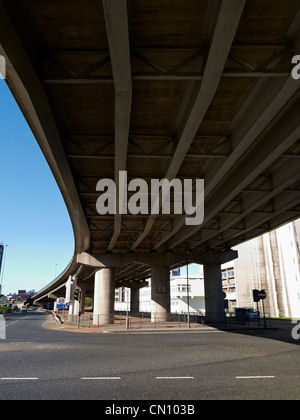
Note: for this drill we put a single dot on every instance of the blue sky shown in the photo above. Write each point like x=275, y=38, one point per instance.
x=34, y=221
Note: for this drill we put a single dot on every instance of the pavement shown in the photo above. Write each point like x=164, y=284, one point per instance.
x=111, y=328
x=140, y=326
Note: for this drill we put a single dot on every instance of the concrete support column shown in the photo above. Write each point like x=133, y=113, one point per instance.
x=76, y=308
x=104, y=296
x=160, y=293
x=54, y=297
x=70, y=294
x=134, y=300
x=83, y=289
x=214, y=297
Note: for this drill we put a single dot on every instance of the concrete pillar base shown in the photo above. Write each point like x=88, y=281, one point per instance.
x=160, y=293
x=214, y=297
x=104, y=297
x=134, y=300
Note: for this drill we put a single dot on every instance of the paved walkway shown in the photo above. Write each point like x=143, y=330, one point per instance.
x=144, y=325
x=137, y=327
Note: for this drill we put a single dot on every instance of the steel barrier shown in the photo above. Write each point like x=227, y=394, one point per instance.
x=131, y=321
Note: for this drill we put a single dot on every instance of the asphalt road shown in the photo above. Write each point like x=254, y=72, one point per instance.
x=42, y=364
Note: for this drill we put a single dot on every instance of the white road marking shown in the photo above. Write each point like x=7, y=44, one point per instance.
x=255, y=377
x=14, y=322
x=101, y=379
x=19, y=379
x=8, y=325
x=174, y=377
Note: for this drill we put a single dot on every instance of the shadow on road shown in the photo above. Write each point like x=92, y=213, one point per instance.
x=281, y=330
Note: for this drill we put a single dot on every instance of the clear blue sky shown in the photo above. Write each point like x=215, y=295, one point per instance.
x=34, y=221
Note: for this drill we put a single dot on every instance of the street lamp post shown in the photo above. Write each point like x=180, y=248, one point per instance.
x=188, y=295
x=127, y=309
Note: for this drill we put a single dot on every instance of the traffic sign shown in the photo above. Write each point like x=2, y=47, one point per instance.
x=61, y=303
x=262, y=295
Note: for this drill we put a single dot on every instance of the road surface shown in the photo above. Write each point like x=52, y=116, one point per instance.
x=43, y=364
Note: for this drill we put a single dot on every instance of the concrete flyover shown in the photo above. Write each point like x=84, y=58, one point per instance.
x=160, y=89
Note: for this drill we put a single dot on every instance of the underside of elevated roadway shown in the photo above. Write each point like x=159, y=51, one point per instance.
x=198, y=89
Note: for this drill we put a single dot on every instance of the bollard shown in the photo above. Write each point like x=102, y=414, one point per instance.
x=2, y=328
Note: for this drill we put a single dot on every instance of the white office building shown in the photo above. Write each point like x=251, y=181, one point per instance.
x=271, y=263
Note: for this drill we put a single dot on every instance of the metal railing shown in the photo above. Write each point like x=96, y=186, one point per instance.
x=135, y=321
x=123, y=321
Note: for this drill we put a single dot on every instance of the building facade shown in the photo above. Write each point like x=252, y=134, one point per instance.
x=229, y=287
x=21, y=296
x=271, y=263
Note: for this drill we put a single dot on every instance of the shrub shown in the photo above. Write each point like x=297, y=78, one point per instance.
x=5, y=310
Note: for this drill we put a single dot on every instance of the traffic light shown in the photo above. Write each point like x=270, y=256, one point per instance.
x=76, y=295
x=256, y=296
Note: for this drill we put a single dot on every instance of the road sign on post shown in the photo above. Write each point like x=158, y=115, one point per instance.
x=61, y=303
x=262, y=295
x=259, y=295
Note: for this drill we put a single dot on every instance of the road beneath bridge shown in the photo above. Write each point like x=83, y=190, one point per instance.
x=44, y=364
